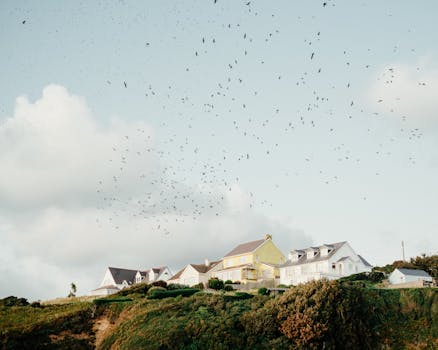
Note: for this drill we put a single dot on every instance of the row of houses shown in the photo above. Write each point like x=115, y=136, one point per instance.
x=258, y=262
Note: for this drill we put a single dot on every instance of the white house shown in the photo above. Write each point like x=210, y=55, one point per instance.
x=116, y=279
x=161, y=273
x=329, y=261
x=408, y=275
x=196, y=273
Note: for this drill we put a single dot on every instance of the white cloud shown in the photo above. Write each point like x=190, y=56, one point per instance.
x=53, y=151
x=58, y=230
x=407, y=92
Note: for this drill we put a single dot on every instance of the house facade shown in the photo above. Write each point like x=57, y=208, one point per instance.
x=193, y=274
x=399, y=276
x=116, y=279
x=328, y=261
x=253, y=261
x=161, y=273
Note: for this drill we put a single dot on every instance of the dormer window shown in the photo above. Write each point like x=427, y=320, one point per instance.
x=295, y=255
x=325, y=250
x=311, y=252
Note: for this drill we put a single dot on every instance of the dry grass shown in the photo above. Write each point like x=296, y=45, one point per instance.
x=62, y=301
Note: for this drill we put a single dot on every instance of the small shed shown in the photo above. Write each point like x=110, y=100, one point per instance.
x=408, y=275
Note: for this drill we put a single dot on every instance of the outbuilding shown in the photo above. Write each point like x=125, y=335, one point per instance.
x=409, y=275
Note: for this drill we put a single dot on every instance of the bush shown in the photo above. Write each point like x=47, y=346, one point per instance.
x=215, y=283
x=373, y=277
x=173, y=286
x=199, y=286
x=263, y=291
x=140, y=288
x=321, y=313
x=14, y=301
x=282, y=286
x=159, y=284
x=236, y=282
x=228, y=288
x=238, y=296
x=161, y=294
x=228, y=282
x=154, y=289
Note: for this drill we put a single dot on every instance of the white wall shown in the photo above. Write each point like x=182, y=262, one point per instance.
x=108, y=279
x=397, y=277
x=323, y=269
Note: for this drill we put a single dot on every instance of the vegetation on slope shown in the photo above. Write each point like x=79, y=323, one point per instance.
x=331, y=315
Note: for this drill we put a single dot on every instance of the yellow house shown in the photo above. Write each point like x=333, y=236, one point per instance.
x=254, y=261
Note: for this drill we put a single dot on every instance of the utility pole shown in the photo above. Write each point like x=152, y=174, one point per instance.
x=403, y=250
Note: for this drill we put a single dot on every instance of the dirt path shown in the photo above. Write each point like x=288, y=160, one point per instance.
x=102, y=327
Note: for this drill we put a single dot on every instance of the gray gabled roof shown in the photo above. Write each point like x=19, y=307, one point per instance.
x=317, y=257
x=246, y=248
x=412, y=272
x=366, y=263
x=121, y=275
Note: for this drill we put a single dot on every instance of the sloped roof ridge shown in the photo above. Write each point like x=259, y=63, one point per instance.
x=246, y=247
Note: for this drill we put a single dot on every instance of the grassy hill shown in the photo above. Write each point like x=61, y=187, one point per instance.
x=334, y=315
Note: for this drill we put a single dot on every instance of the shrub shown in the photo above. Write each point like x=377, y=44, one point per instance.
x=140, y=288
x=215, y=283
x=228, y=282
x=321, y=313
x=173, y=286
x=154, y=289
x=282, y=286
x=14, y=301
x=161, y=294
x=228, y=288
x=263, y=291
x=159, y=284
x=236, y=282
x=373, y=277
x=199, y=286
x=238, y=296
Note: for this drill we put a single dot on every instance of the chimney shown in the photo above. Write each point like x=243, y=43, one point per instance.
x=207, y=262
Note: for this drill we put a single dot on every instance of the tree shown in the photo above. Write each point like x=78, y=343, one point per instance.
x=72, y=290
x=427, y=263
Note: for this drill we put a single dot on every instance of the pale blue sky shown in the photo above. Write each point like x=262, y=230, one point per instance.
x=337, y=146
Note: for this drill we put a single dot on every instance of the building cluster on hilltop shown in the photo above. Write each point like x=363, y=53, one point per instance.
x=250, y=264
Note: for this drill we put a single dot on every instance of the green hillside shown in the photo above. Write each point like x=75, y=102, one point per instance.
x=331, y=315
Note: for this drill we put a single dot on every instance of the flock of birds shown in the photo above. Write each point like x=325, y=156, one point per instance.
x=187, y=178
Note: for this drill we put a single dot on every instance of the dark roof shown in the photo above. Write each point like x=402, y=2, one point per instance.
x=366, y=263
x=121, y=275
x=344, y=258
x=246, y=247
x=411, y=272
x=317, y=257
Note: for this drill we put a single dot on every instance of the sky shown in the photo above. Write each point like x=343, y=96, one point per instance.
x=147, y=133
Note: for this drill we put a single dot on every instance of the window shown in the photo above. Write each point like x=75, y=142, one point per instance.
x=333, y=266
